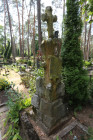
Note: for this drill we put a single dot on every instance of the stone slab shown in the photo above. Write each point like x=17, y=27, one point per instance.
x=3, y=104
x=3, y=109
x=35, y=101
x=27, y=130
x=48, y=108
x=60, y=90
x=50, y=131
x=55, y=67
x=39, y=86
x=38, y=82
x=72, y=126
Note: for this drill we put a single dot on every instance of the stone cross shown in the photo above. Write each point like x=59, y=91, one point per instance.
x=49, y=18
x=48, y=104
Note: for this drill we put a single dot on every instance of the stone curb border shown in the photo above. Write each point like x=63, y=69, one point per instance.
x=70, y=127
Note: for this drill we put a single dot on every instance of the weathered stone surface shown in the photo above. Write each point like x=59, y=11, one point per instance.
x=38, y=82
x=58, y=112
x=3, y=109
x=48, y=121
x=48, y=92
x=45, y=107
x=60, y=91
x=35, y=101
x=39, y=86
x=55, y=67
x=52, y=109
x=39, y=115
x=50, y=19
x=27, y=130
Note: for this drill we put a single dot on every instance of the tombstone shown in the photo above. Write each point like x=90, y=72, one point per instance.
x=47, y=102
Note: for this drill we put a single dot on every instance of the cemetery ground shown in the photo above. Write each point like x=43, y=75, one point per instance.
x=83, y=116
x=9, y=74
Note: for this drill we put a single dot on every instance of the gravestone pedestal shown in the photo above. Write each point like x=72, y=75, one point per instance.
x=48, y=109
x=47, y=102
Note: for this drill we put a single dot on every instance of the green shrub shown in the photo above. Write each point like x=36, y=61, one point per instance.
x=13, y=114
x=4, y=84
x=32, y=88
x=16, y=69
x=26, y=80
x=23, y=68
x=29, y=62
x=72, y=59
x=90, y=90
x=39, y=72
x=87, y=63
x=22, y=61
x=90, y=131
x=76, y=86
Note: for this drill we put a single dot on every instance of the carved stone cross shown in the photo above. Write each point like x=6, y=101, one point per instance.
x=49, y=18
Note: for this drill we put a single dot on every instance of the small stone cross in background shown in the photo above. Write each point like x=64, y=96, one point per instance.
x=49, y=18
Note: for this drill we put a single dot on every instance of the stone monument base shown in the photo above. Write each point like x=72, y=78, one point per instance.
x=35, y=130
x=49, y=110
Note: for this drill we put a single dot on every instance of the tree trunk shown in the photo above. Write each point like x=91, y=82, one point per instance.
x=34, y=37
x=31, y=37
x=64, y=10
x=39, y=23
x=28, y=31
x=22, y=28
x=28, y=40
x=19, y=28
x=88, y=41
x=11, y=34
x=85, y=38
x=4, y=24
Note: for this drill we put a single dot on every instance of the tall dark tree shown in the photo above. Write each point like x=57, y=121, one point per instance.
x=28, y=26
x=74, y=75
x=34, y=37
x=19, y=28
x=85, y=37
x=22, y=28
x=11, y=31
x=5, y=24
x=39, y=22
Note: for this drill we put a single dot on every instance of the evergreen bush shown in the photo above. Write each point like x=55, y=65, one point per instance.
x=74, y=76
x=29, y=62
x=4, y=84
x=87, y=63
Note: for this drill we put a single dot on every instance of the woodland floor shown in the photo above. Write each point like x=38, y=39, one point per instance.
x=16, y=79
x=85, y=116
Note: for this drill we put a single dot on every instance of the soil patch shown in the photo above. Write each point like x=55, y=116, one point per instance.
x=85, y=116
x=76, y=133
x=16, y=79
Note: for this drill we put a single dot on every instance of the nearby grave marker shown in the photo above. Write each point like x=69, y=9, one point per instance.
x=48, y=103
